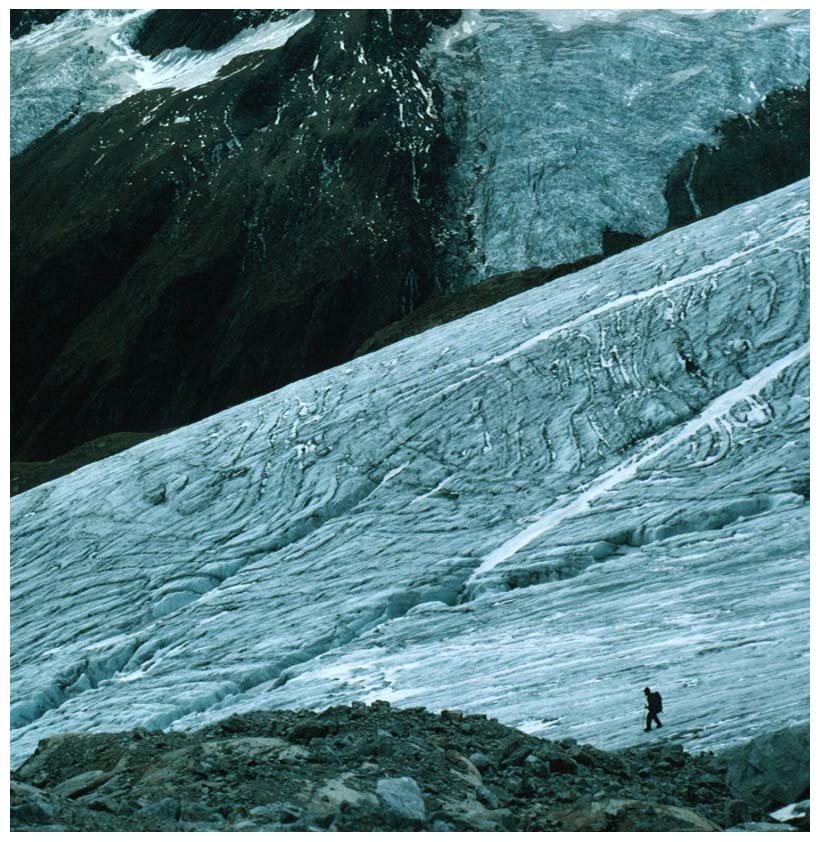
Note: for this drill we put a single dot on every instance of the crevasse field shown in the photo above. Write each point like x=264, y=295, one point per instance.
x=532, y=513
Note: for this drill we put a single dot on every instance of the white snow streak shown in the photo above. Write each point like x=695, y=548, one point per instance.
x=628, y=469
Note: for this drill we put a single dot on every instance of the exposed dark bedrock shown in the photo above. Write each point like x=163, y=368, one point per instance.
x=169, y=28
x=755, y=155
x=164, y=269
x=22, y=20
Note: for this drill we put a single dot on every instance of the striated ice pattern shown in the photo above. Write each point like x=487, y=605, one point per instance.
x=568, y=122
x=532, y=512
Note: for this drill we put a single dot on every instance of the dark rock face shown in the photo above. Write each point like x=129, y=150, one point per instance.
x=22, y=20
x=362, y=768
x=185, y=251
x=613, y=242
x=755, y=155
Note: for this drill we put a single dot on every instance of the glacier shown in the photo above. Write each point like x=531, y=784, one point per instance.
x=84, y=62
x=532, y=512
x=567, y=122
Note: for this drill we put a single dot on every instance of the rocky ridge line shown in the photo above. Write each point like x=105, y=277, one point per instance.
x=380, y=768
x=167, y=29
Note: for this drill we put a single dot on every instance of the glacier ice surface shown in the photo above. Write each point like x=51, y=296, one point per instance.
x=83, y=62
x=567, y=122
x=532, y=513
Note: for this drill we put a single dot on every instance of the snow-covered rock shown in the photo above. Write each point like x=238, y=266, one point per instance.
x=532, y=512
x=792, y=811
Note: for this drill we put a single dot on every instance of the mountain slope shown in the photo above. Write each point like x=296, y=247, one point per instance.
x=209, y=204
x=230, y=228
x=532, y=512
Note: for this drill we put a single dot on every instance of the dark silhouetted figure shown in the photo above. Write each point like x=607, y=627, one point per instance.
x=653, y=708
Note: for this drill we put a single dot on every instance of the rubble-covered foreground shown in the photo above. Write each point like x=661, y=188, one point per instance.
x=379, y=768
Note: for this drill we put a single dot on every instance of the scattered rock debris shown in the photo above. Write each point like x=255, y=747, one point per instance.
x=374, y=768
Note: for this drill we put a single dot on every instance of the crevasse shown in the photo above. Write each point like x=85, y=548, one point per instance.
x=531, y=512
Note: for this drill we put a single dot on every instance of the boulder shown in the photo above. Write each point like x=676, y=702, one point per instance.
x=30, y=805
x=401, y=797
x=558, y=761
x=337, y=794
x=624, y=815
x=487, y=797
x=28, y=813
x=81, y=784
x=441, y=826
x=564, y=766
x=480, y=760
x=164, y=810
x=771, y=770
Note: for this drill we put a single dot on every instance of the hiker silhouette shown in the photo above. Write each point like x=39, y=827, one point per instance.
x=653, y=708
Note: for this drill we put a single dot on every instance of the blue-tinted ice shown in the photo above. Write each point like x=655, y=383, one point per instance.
x=532, y=512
